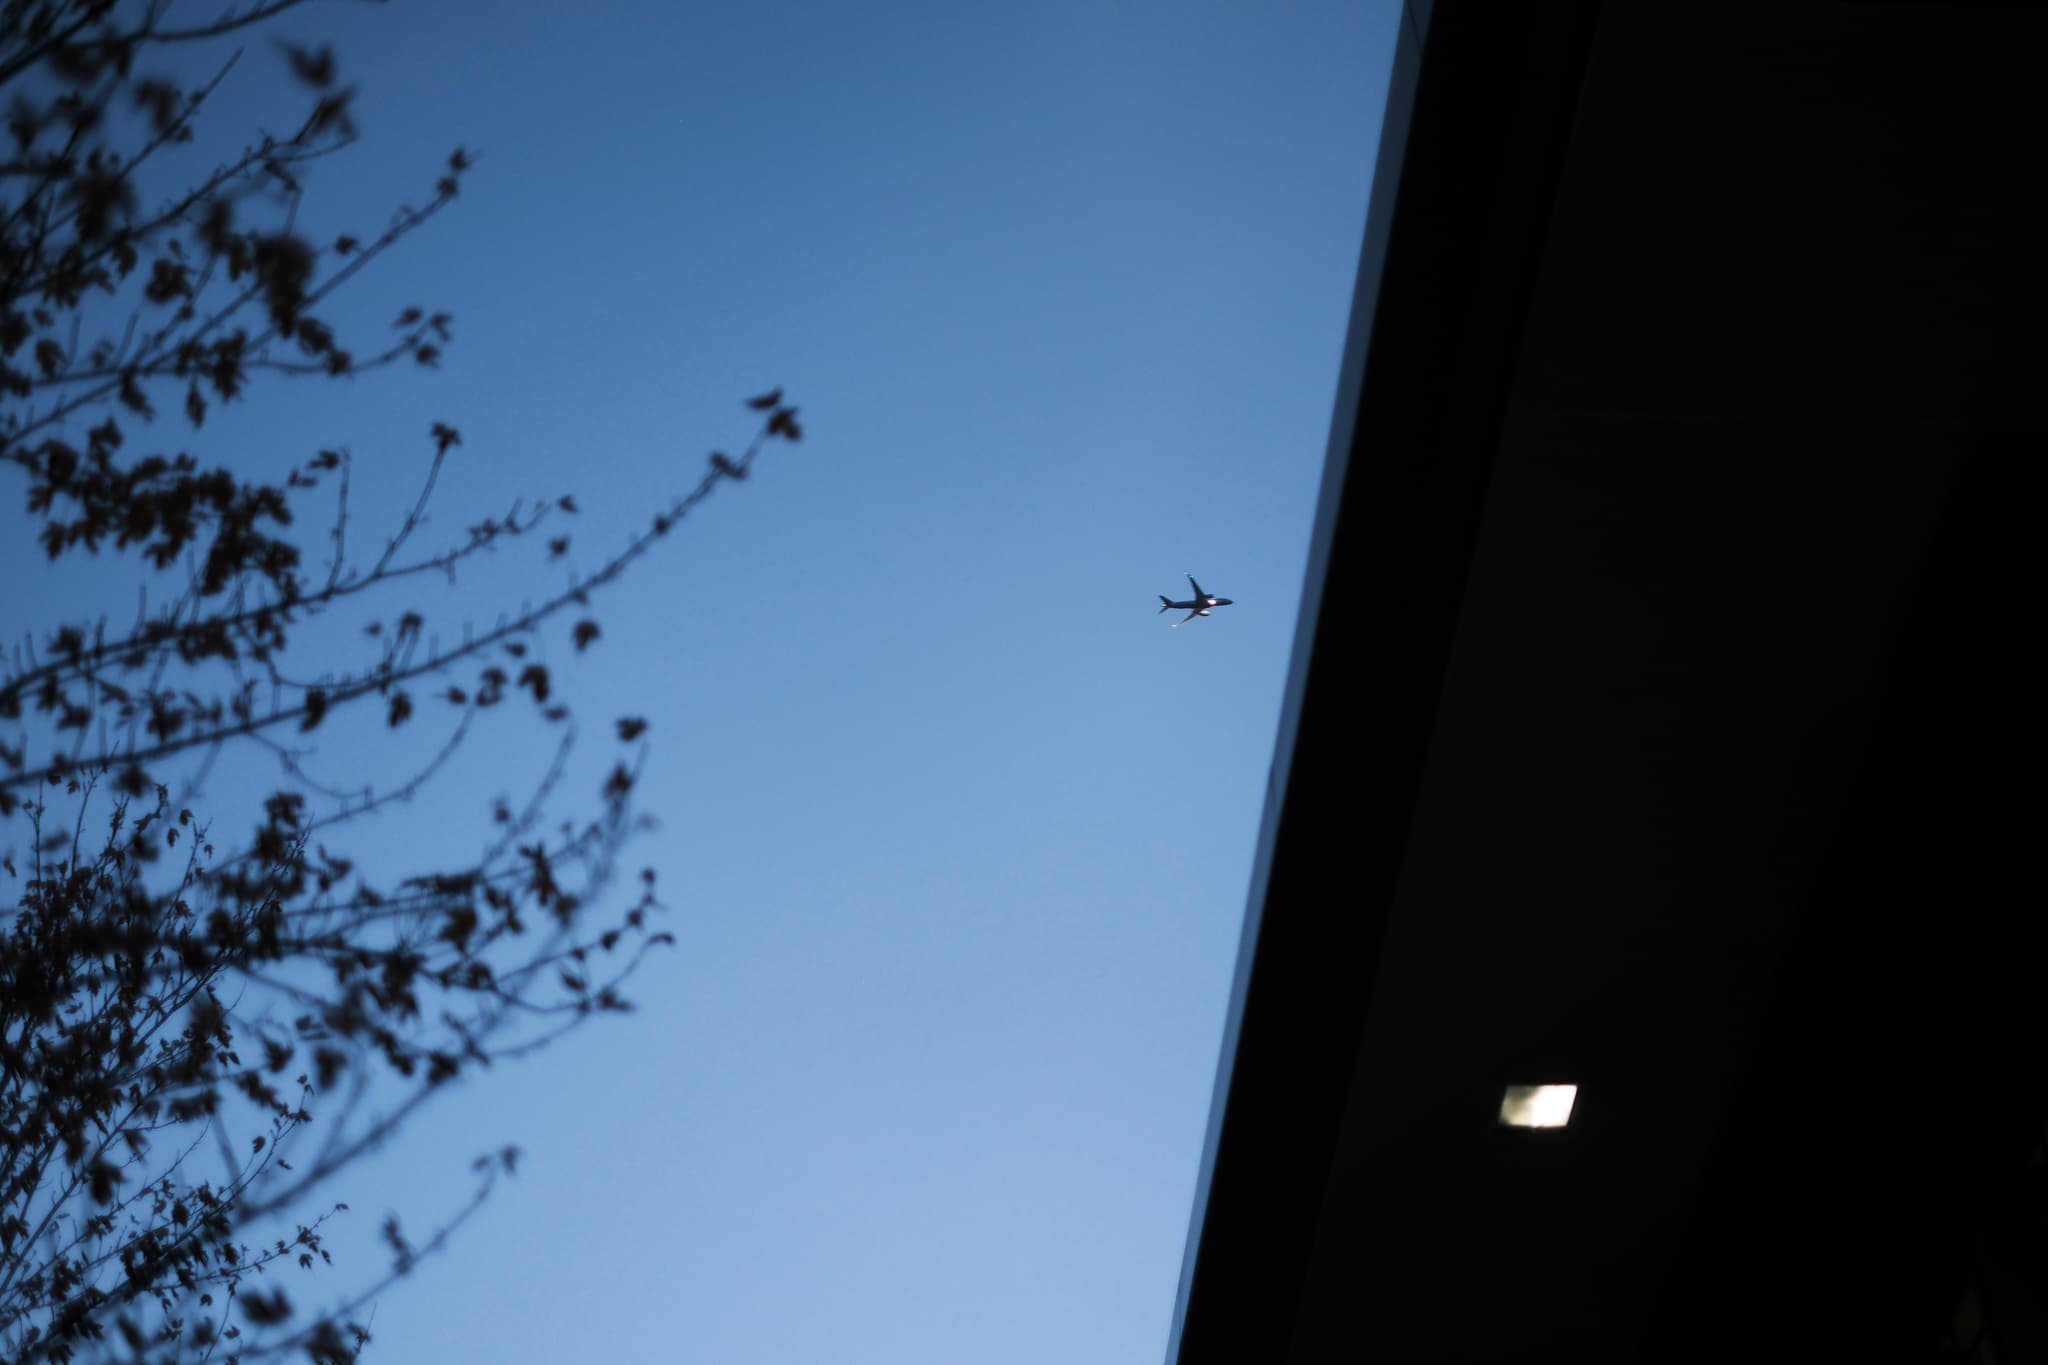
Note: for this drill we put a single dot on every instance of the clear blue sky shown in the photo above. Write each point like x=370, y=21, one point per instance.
x=955, y=829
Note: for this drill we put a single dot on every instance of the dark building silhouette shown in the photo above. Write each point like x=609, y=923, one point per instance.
x=1666, y=717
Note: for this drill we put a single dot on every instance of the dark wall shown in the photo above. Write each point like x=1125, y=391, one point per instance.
x=1730, y=800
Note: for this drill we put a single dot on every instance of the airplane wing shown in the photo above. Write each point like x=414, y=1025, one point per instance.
x=1189, y=617
x=1199, y=594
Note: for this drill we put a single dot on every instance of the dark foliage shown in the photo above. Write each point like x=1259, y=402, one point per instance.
x=191, y=1018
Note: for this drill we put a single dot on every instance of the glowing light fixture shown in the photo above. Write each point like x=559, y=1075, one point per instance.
x=1537, y=1106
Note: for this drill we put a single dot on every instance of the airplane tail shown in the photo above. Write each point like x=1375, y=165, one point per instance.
x=1164, y=605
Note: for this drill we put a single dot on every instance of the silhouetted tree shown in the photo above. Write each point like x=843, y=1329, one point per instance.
x=192, y=1020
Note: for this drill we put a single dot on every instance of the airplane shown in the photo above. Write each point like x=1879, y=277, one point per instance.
x=1198, y=607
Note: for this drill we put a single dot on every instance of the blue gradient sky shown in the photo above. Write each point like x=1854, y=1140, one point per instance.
x=955, y=829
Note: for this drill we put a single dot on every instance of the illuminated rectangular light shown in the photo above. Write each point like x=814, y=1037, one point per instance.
x=1537, y=1106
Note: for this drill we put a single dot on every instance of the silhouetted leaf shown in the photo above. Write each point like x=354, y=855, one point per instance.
x=160, y=100
x=168, y=280
x=331, y=114
x=314, y=67
x=586, y=632
x=265, y=1310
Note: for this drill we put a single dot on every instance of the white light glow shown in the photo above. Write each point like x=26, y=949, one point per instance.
x=1537, y=1106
